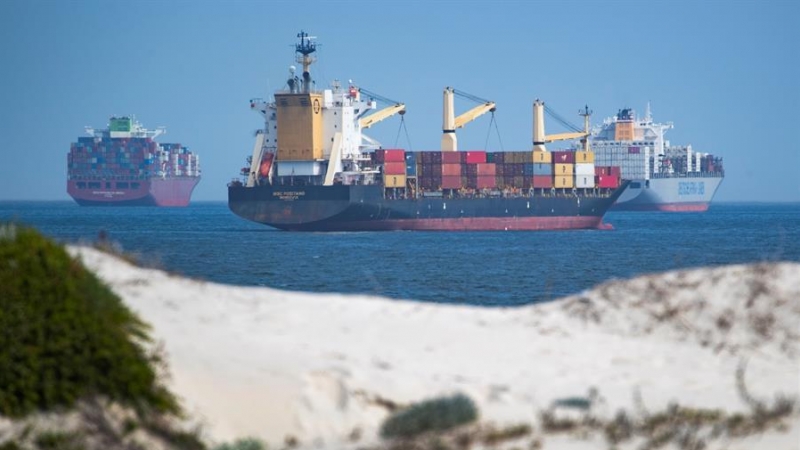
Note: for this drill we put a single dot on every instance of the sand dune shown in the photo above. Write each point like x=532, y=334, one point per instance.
x=270, y=364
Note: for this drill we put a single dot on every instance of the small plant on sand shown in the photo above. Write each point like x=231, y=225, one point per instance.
x=242, y=444
x=437, y=414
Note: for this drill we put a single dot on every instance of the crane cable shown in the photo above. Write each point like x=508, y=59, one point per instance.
x=403, y=127
x=474, y=98
x=561, y=120
x=489, y=132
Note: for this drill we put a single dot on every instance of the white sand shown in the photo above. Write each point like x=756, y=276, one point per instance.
x=270, y=364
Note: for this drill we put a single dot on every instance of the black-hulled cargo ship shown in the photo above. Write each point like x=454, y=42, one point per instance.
x=312, y=169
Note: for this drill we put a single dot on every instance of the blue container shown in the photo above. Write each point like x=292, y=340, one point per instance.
x=542, y=169
x=528, y=170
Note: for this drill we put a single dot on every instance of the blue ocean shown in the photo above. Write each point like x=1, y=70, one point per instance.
x=206, y=241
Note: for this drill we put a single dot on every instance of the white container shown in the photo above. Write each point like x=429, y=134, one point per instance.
x=584, y=169
x=584, y=181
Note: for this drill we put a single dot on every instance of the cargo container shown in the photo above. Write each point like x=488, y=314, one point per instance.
x=451, y=182
x=584, y=181
x=585, y=169
x=542, y=157
x=473, y=157
x=394, y=181
x=394, y=168
x=486, y=169
x=564, y=169
x=542, y=181
x=607, y=181
x=451, y=158
x=561, y=181
x=563, y=157
x=451, y=170
x=582, y=157
x=542, y=169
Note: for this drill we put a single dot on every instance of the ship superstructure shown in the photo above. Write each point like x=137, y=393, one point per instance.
x=664, y=177
x=123, y=165
x=312, y=168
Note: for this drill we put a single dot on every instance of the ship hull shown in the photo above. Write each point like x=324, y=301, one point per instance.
x=363, y=208
x=679, y=194
x=175, y=192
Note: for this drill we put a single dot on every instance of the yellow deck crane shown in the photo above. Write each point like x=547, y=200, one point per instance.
x=539, y=138
x=450, y=123
x=385, y=113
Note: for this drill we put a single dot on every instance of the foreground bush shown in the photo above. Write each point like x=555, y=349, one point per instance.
x=64, y=335
x=438, y=414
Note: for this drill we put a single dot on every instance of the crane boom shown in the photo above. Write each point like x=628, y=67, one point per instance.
x=564, y=136
x=473, y=114
x=385, y=113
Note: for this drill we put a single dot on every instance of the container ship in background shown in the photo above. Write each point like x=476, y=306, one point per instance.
x=663, y=177
x=124, y=166
x=313, y=169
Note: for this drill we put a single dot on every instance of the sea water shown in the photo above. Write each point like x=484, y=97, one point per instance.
x=206, y=241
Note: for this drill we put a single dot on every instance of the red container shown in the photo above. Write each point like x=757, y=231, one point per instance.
x=486, y=182
x=394, y=168
x=607, y=171
x=395, y=155
x=481, y=182
x=542, y=181
x=564, y=157
x=474, y=157
x=451, y=158
x=451, y=182
x=607, y=181
x=451, y=170
x=486, y=169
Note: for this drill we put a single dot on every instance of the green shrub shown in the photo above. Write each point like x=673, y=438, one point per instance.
x=437, y=414
x=57, y=440
x=242, y=444
x=64, y=335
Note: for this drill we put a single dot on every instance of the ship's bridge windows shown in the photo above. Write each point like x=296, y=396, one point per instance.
x=81, y=185
x=123, y=185
x=135, y=185
x=94, y=185
x=108, y=185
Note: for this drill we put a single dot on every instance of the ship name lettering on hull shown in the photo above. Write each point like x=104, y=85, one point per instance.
x=691, y=188
x=288, y=195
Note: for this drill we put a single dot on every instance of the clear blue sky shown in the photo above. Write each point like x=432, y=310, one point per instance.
x=725, y=72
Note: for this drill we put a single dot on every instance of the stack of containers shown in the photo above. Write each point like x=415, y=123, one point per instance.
x=479, y=174
x=451, y=170
x=411, y=164
x=542, y=170
x=632, y=160
x=394, y=168
x=564, y=169
x=584, y=169
x=430, y=176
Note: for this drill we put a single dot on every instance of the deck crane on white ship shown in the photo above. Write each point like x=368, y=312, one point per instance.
x=451, y=123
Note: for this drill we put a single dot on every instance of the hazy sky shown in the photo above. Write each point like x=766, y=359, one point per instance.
x=725, y=72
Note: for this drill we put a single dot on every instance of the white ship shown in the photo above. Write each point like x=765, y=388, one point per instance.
x=663, y=177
